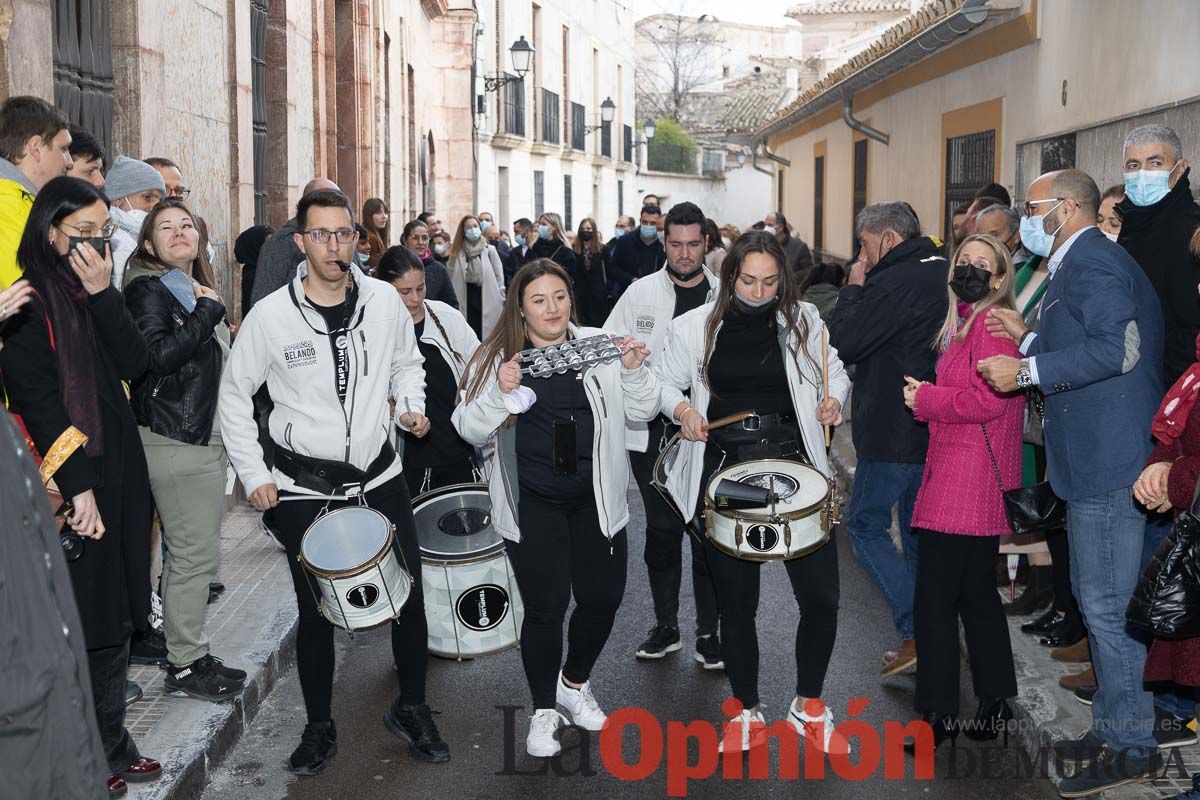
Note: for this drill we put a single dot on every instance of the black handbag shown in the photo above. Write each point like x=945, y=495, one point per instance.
x=1166, y=602
x=1030, y=509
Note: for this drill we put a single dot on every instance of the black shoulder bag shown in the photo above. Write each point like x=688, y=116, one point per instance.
x=1166, y=602
x=1030, y=509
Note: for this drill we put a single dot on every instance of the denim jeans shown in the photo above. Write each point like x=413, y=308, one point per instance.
x=1180, y=704
x=878, y=486
x=1106, y=533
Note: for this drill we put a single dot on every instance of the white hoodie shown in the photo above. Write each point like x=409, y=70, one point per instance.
x=284, y=343
x=125, y=240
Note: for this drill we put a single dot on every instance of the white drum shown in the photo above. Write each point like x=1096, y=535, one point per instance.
x=798, y=522
x=350, y=555
x=472, y=604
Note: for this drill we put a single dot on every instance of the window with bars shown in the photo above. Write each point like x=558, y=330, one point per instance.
x=550, y=117
x=83, y=74
x=578, y=127
x=818, y=241
x=627, y=145
x=513, y=95
x=606, y=139
x=539, y=193
x=568, y=212
x=970, y=164
x=258, y=101
x=860, y=177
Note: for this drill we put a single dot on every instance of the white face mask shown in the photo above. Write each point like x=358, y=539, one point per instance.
x=769, y=229
x=1112, y=237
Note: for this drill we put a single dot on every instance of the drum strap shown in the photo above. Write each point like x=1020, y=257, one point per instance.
x=331, y=477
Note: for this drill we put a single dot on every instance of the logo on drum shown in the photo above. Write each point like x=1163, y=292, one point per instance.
x=483, y=607
x=363, y=596
x=762, y=538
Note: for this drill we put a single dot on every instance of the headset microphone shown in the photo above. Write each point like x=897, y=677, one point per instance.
x=344, y=265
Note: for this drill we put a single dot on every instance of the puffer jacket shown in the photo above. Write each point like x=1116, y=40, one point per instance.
x=177, y=396
x=16, y=199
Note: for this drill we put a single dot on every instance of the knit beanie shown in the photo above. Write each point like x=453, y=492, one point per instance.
x=129, y=176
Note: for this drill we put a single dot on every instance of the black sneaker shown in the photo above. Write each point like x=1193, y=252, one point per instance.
x=663, y=639
x=203, y=680
x=1110, y=770
x=1079, y=751
x=708, y=652
x=318, y=744
x=229, y=672
x=133, y=693
x=148, y=648
x=1084, y=694
x=1171, y=731
x=414, y=724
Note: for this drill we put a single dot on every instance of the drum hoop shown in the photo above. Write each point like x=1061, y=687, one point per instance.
x=352, y=571
x=751, y=555
x=476, y=558
x=799, y=513
x=453, y=488
x=373, y=625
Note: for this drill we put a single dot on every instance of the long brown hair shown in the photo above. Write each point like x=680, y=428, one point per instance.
x=594, y=245
x=201, y=270
x=508, y=337
x=370, y=208
x=787, y=298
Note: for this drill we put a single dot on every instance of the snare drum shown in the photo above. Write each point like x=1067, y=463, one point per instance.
x=796, y=524
x=349, y=553
x=472, y=604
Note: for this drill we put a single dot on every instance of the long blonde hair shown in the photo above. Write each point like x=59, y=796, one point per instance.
x=1001, y=297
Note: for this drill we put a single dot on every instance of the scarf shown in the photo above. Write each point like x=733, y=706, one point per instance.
x=73, y=337
x=1173, y=414
x=473, y=252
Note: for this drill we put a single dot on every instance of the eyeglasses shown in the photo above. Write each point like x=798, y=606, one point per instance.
x=179, y=192
x=89, y=232
x=321, y=236
x=418, y=238
x=1028, y=210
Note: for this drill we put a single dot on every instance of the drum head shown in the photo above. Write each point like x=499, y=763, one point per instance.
x=799, y=486
x=454, y=523
x=345, y=539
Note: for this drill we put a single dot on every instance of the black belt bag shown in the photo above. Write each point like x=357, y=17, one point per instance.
x=331, y=477
x=759, y=436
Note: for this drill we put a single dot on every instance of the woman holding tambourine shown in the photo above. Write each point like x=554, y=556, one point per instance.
x=757, y=347
x=559, y=467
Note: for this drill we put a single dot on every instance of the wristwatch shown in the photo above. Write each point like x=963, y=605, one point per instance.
x=1024, y=375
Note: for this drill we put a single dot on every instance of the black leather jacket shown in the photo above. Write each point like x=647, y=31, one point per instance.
x=177, y=396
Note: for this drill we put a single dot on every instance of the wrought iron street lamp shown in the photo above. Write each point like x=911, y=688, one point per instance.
x=522, y=59
x=608, y=111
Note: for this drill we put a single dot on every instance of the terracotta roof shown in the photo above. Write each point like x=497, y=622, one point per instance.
x=848, y=7
x=744, y=108
x=891, y=39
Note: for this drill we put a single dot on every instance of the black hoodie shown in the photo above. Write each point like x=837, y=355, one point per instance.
x=1157, y=237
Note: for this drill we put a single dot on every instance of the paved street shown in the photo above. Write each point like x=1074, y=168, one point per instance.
x=373, y=764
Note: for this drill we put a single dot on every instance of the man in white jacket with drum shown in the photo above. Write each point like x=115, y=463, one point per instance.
x=645, y=311
x=332, y=346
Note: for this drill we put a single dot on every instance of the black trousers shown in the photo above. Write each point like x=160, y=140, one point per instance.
x=1060, y=556
x=314, y=640
x=664, y=546
x=956, y=578
x=816, y=586
x=562, y=552
x=108, y=668
x=439, y=476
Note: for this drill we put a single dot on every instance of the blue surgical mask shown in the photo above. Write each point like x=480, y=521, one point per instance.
x=484, y=225
x=618, y=232
x=520, y=239
x=1146, y=187
x=649, y=232
x=1034, y=236
x=472, y=234
x=543, y=231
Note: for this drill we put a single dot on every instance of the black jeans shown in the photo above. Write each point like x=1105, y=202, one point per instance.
x=562, y=552
x=664, y=545
x=956, y=577
x=109, y=667
x=314, y=640
x=444, y=475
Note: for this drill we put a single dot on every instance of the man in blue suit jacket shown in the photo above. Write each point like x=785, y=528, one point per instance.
x=1097, y=359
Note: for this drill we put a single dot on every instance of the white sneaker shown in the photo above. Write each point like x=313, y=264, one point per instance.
x=542, y=741
x=830, y=742
x=743, y=732
x=581, y=705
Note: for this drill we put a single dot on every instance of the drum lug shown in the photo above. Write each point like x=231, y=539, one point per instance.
x=737, y=534
x=787, y=535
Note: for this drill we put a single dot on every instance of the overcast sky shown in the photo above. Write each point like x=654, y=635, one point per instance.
x=758, y=12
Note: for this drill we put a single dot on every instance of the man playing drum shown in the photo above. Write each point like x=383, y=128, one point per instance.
x=757, y=347
x=332, y=347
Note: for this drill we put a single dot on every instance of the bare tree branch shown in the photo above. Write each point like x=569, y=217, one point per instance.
x=680, y=50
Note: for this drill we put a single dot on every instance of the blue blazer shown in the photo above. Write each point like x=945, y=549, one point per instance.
x=1099, y=362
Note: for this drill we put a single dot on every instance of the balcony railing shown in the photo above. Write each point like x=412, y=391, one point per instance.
x=551, y=124
x=578, y=127
x=513, y=100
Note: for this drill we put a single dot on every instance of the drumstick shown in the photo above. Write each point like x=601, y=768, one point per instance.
x=732, y=418
x=825, y=378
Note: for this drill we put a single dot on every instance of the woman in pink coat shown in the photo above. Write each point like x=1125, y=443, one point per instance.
x=959, y=515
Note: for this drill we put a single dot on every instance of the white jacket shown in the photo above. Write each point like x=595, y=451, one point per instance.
x=459, y=338
x=124, y=241
x=644, y=312
x=614, y=394
x=284, y=343
x=679, y=368
x=493, y=285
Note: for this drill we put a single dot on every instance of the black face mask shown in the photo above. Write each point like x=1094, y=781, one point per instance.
x=971, y=284
x=98, y=243
x=586, y=235
x=683, y=276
